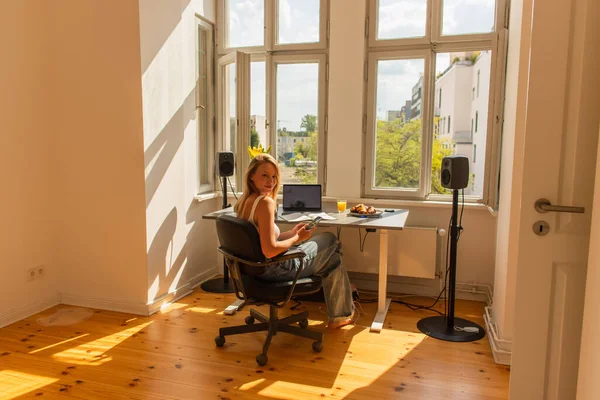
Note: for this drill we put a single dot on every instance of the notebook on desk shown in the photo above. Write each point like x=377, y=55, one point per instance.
x=301, y=198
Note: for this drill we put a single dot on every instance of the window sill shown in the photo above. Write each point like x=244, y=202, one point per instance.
x=206, y=196
x=395, y=203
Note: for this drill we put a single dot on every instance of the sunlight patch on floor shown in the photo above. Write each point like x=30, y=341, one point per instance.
x=58, y=344
x=14, y=384
x=203, y=310
x=168, y=307
x=93, y=353
x=405, y=342
x=250, y=385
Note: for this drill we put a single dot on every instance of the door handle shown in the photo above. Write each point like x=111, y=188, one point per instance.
x=543, y=206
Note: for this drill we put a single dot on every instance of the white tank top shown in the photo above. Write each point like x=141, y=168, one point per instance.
x=251, y=217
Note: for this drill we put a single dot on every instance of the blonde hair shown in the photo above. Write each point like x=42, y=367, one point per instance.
x=249, y=187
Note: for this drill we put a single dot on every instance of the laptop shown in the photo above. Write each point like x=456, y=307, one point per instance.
x=301, y=198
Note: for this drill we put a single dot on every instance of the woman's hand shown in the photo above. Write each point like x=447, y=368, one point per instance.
x=299, y=227
x=303, y=234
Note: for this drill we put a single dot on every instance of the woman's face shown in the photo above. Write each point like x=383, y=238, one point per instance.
x=265, y=178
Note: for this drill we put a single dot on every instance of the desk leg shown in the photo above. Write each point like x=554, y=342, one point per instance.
x=383, y=303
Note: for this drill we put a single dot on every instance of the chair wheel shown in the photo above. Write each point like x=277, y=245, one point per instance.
x=249, y=320
x=262, y=359
x=220, y=341
x=303, y=323
x=317, y=347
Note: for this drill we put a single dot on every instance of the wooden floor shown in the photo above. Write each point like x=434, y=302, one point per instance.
x=172, y=355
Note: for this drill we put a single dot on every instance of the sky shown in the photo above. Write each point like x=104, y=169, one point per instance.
x=297, y=90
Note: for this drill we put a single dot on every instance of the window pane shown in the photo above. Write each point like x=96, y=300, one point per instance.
x=456, y=76
x=229, y=108
x=298, y=21
x=398, y=123
x=297, y=113
x=461, y=17
x=245, y=23
x=203, y=122
x=400, y=19
x=258, y=130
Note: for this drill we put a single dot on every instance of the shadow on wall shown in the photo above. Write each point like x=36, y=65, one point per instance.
x=158, y=20
x=162, y=257
x=166, y=145
x=202, y=252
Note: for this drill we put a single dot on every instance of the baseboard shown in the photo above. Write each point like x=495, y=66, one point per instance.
x=129, y=307
x=501, y=349
x=180, y=292
x=27, y=311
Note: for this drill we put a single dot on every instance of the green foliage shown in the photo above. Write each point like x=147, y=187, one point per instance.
x=398, y=156
x=308, y=149
x=306, y=175
x=474, y=56
x=254, y=138
x=309, y=123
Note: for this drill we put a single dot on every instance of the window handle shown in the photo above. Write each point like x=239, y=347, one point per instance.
x=543, y=206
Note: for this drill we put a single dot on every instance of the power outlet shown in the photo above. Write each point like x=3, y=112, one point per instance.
x=31, y=274
x=40, y=270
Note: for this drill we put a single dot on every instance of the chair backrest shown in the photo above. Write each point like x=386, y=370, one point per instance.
x=240, y=238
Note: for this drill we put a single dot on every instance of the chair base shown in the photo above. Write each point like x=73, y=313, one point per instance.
x=273, y=325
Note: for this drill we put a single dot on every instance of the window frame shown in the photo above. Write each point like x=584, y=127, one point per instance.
x=321, y=59
x=205, y=184
x=372, y=24
x=273, y=53
x=496, y=41
x=271, y=29
x=371, y=116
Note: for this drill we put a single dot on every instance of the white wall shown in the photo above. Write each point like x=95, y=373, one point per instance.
x=96, y=145
x=511, y=165
x=26, y=238
x=344, y=154
x=181, y=247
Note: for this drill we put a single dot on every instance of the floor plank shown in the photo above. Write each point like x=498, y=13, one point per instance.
x=172, y=355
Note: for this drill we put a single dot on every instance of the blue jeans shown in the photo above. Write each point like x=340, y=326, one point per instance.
x=322, y=259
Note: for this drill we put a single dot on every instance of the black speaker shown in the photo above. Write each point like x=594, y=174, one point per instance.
x=455, y=172
x=225, y=163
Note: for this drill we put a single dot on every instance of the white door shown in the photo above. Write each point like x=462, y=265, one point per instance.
x=560, y=132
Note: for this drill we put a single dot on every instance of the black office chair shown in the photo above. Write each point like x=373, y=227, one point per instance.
x=240, y=244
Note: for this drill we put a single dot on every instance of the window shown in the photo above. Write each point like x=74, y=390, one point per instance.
x=204, y=105
x=456, y=49
x=286, y=84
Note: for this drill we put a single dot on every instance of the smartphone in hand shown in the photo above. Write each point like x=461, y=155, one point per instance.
x=312, y=224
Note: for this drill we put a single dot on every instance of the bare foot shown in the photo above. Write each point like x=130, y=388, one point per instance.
x=341, y=322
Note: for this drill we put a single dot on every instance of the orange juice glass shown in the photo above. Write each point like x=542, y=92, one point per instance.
x=341, y=205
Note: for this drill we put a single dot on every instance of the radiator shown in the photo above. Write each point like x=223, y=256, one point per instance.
x=413, y=252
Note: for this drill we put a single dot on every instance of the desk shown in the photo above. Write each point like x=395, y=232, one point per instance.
x=387, y=221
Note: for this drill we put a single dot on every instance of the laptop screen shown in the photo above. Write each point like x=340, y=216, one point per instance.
x=301, y=197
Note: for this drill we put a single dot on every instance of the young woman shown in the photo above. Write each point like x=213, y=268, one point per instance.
x=257, y=205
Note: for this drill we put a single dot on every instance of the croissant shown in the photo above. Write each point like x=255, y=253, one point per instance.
x=362, y=209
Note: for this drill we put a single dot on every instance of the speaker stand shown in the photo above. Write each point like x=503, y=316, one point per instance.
x=447, y=327
x=220, y=285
